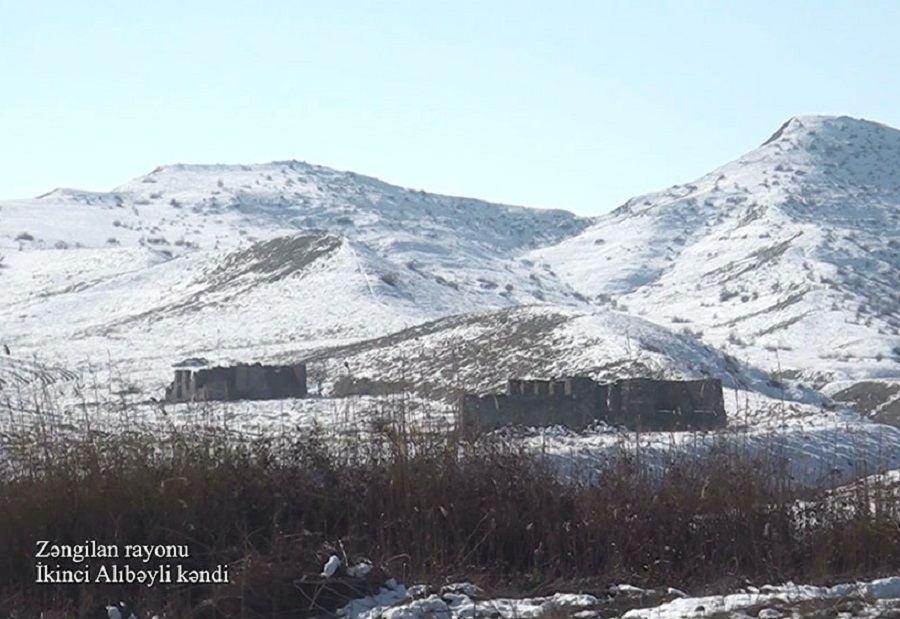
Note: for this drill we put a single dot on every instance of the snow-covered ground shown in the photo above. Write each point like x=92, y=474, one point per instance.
x=814, y=446
x=876, y=598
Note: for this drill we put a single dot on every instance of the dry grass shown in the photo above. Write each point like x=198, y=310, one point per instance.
x=421, y=507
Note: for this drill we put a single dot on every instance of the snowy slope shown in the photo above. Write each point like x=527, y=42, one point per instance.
x=480, y=350
x=180, y=207
x=400, y=236
x=788, y=257
x=244, y=261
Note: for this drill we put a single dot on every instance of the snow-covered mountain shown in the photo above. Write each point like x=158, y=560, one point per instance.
x=244, y=261
x=788, y=257
x=786, y=260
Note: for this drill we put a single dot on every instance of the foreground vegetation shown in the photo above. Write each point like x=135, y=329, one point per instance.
x=421, y=508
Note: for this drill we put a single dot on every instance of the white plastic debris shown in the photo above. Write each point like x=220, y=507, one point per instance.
x=331, y=566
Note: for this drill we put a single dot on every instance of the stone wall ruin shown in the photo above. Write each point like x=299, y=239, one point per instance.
x=238, y=382
x=577, y=402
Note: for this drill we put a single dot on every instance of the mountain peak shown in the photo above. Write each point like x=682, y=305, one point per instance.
x=835, y=127
x=833, y=157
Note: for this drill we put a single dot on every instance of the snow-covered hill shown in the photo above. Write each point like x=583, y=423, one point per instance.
x=480, y=350
x=788, y=257
x=785, y=260
x=245, y=261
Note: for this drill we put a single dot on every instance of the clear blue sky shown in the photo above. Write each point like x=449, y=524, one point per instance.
x=577, y=105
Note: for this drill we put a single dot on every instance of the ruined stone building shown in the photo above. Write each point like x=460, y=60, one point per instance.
x=576, y=402
x=238, y=382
